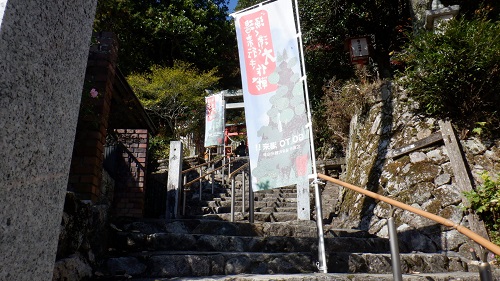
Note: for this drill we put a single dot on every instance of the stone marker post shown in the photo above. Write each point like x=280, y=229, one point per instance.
x=44, y=47
x=174, y=180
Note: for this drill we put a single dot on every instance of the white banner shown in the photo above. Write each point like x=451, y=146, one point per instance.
x=273, y=90
x=214, y=120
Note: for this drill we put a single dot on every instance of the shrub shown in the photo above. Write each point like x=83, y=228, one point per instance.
x=485, y=201
x=341, y=101
x=454, y=72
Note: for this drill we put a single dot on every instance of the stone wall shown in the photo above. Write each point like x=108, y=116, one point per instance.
x=43, y=53
x=423, y=179
x=82, y=239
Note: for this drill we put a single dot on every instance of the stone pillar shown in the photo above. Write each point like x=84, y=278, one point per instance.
x=43, y=53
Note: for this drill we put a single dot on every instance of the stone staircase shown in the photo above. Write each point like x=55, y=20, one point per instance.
x=269, y=206
x=193, y=249
x=204, y=245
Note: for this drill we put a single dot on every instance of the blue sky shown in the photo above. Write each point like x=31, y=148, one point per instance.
x=232, y=4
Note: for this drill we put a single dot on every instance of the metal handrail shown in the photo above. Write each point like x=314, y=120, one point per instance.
x=237, y=170
x=462, y=229
x=201, y=165
x=233, y=196
x=184, y=185
x=206, y=174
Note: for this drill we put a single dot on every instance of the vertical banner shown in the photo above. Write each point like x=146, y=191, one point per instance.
x=273, y=89
x=214, y=120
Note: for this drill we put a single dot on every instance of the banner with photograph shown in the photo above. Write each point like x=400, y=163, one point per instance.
x=273, y=90
x=214, y=120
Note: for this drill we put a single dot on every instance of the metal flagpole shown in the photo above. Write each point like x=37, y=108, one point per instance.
x=322, y=266
x=319, y=216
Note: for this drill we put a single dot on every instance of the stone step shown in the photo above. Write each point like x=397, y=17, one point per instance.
x=286, y=209
x=227, y=209
x=381, y=263
x=218, y=243
x=259, y=216
x=283, y=216
x=257, y=204
x=280, y=200
x=199, y=263
x=462, y=276
x=279, y=195
x=266, y=209
x=219, y=227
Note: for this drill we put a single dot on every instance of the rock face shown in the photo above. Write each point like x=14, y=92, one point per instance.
x=82, y=239
x=423, y=178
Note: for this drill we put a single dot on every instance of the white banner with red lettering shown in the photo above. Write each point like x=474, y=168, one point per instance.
x=273, y=90
x=214, y=120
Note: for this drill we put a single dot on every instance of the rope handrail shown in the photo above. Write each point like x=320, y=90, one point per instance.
x=462, y=229
x=237, y=170
x=206, y=174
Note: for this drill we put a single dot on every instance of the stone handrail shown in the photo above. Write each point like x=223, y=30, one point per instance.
x=467, y=232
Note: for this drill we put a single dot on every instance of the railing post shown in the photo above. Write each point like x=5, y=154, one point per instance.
x=201, y=189
x=243, y=193
x=223, y=169
x=184, y=195
x=212, y=177
x=250, y=200
x=228, y=168
x=232, y=199
x=393, y=240
x=485, y=271
x=322, y=266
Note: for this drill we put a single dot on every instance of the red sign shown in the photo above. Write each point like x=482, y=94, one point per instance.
x=211, y=108
x=260, y=60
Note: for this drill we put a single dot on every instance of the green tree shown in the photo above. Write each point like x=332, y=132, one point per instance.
x=158, y=32
x=242, y=4
x=174, y=96
x=454, y=73
x=326, y=24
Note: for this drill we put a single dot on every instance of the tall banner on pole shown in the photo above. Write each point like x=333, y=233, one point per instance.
x=214, y=120
x=273, y=89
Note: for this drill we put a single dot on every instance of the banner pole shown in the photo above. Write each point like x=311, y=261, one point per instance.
x=322, y=266
x=224, y=135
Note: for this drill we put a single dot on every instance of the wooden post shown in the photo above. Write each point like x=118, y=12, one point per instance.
x=174, y=179
x=461, y=174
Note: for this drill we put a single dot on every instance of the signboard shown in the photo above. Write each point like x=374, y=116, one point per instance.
x=360, y=49
x=273, y=89
x=214, y=120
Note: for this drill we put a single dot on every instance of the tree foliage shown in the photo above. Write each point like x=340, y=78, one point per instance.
x=326, y=25
x=174, y=96
x=158, y=32
x=454, y=73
